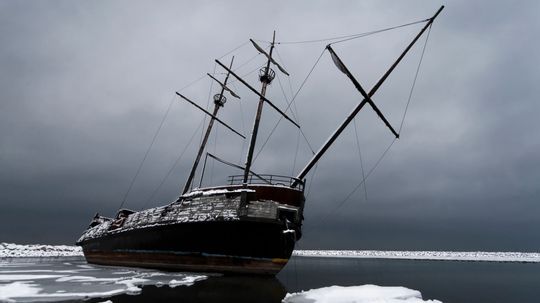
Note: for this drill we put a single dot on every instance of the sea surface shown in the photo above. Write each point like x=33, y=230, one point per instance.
x=70, y=278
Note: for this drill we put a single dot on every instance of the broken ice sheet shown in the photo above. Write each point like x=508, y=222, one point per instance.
x=28, y=281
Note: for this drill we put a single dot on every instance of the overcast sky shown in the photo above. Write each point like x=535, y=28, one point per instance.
x=84, y=85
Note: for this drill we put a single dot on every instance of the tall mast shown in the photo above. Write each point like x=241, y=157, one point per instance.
x=219, y=101
x=266, y=76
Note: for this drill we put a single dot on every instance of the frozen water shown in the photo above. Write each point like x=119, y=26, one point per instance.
x=357, y=294
x=38, y=250
x=30, y=279
x=425, y=255
x=8, y=250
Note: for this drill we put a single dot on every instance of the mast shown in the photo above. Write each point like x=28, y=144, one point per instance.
x=219, y=101
x=266, y=76
x=367, y=99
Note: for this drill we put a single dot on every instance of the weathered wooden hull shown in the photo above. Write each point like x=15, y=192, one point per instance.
x=236, y=247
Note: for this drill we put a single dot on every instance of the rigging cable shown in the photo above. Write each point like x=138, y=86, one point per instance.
x=234, y=49
x=173, y=166
x=353, y=36
x=414, y=81
x=295, y=108
x=161, y=125
x=146, y=153
x=393, y=141
x=360, y=155
x=288, y=106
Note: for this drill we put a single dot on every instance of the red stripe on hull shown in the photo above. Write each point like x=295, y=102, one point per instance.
x=192, y=263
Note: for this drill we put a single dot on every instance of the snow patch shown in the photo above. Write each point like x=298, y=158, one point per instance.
x=20, y=281
x=9, y=278
x=18, y=289
x=212, y=192
x=357, y=294
x=186, y=281
x=10, y=250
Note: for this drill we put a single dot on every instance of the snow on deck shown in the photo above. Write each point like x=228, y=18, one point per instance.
x=357, y=294
x=198, y=209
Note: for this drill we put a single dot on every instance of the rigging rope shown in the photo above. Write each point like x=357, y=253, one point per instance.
x=173, y=166
x=361, y=183
x=414, y=81
x=124, y=199
x=288, y=106
x=360, y=155
x=234, y=49
x=146, y=153
x=353, y=36
x=393, y=141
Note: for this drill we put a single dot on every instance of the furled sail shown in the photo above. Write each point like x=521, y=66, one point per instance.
x=261, y=50
x=338, y=63
x=225, y=87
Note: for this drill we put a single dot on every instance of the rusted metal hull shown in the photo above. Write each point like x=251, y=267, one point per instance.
x=235, y=247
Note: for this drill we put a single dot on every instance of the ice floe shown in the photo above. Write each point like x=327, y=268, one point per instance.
x=357, y=294
x=27, y=281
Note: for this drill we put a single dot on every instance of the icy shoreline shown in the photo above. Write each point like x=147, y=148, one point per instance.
x=10, y=250
x=478, y=256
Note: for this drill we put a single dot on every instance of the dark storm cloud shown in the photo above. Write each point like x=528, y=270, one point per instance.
x=84, y=85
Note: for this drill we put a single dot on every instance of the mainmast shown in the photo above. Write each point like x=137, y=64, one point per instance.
x=266, y=75
x=219, y=101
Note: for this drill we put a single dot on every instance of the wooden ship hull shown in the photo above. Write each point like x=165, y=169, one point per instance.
x=206, y=230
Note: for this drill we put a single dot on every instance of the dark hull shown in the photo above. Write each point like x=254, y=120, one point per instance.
x=250, y=247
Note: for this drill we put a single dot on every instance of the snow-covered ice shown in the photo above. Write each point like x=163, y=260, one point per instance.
x=38, y=250
x=35, y=280
x=9, y=250
x=357, y=294
x=425, y=255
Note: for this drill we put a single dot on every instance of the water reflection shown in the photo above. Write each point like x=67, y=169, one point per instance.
x=214, y=289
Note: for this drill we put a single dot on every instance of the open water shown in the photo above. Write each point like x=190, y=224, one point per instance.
x=60, y=279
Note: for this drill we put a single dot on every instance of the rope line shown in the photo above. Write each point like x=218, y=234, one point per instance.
x=362, y=182
x=235, y=49
x=360, y=155
x=146, y=153
x=173, y=166
x=288, y=106
x=414, y=81
x=353, y=36
x=391, y=144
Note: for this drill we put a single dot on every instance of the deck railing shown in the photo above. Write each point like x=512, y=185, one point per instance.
x=266, y=179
